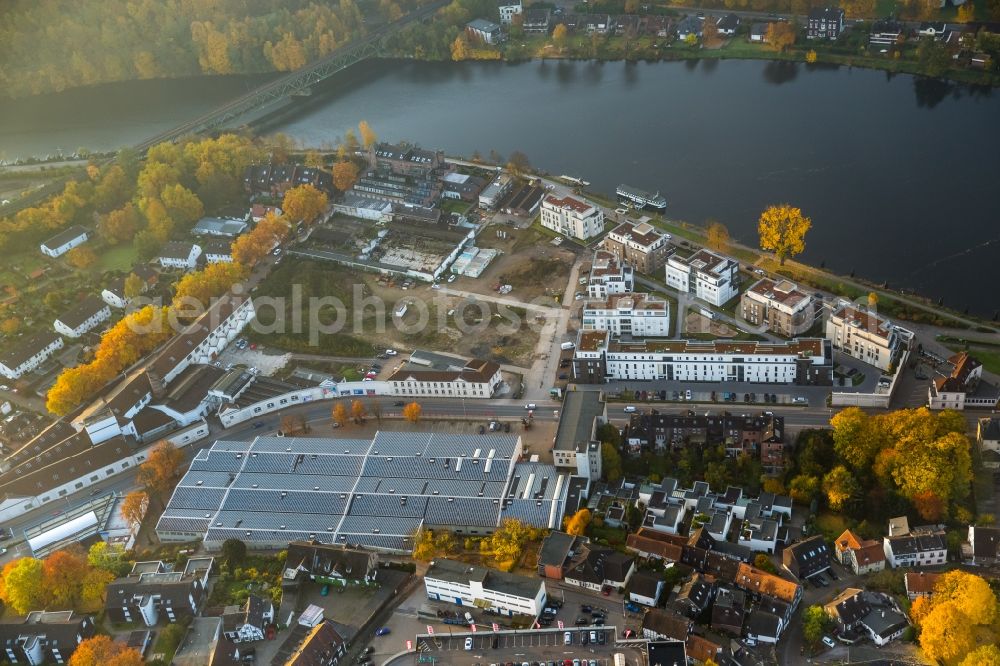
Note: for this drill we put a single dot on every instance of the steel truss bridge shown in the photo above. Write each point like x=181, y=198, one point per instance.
x=294, y=83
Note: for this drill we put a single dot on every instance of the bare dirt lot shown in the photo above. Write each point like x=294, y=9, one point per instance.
x=529, y=264
x=471, y=329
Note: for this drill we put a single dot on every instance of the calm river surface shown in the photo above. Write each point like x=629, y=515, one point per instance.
x=900, y=176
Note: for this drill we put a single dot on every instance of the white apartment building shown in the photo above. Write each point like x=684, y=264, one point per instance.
x=781, y=306
x=204, y=339
x=179, y=254
x=508, y=10
x=29, y=354
x=609, y=275
x=64, y=241
x=484, y=589
x=863, y=334
x=87, y=314
x=705, y=275
x=803, y=361
x=572, y=217
x=919, y=548
x=637, y=315
x=478, y=379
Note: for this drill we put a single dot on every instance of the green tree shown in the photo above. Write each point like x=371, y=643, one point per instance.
x=234, y=552
x=764, y=563
x=803, y=488
x=815, y=623
x=611, y=462
x=108, y=557
x=21, y=585
x=839, y=486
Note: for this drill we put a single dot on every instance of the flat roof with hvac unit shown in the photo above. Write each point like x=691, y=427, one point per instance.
x=374, y=493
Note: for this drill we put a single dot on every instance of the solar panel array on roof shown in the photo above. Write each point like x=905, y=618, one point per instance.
x=375, y=493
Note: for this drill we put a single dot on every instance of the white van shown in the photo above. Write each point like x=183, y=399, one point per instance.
x=629, y=409
x=567, y=638
x=568, y=345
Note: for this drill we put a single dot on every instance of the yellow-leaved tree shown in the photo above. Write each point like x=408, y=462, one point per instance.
x=304, y=203
x=578, y=522
x=412, y=411
x=782, y=230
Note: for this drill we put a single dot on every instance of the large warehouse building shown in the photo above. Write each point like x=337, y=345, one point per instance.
x=374, y=493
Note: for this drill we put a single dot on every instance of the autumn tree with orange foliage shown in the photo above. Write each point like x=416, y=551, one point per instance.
x=368, y=136
x=81, y=257
x=304, y=203
x=358, y=411
x=134, y=507
x=339, y=414
x=103, y=651
x=962, y=605
x=62, y=575
x=211, y=282
x=345, y=174
x=119, y=225
x=412, y=412
x=162, y=469
x=123, y=344
x=250, y=248
x=183, y=206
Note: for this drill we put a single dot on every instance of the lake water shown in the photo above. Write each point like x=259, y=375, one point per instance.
x=899, y=175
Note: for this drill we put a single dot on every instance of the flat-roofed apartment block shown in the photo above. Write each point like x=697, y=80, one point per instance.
x=486, y=589
x=780, y=305
x=635, y=314
x=706, y=275
x=609, y=275
x=802, y=361
x=640, y=245
x=372, y=493
x=863, y=334
x=576, y=447
x=572, y=217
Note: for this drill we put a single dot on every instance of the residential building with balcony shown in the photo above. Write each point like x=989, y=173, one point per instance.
x=706, y=275
x=802, y=361
x=572, y=217
x=630, y=315
x=863, y=334
x=609, y=275
x=641, y=245
x=780, y=306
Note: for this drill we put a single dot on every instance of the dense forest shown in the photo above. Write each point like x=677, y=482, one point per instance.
x=52, y=45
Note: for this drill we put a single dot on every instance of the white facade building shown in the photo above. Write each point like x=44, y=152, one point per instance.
x=508, y=10
x=203, y=340
x=803, y=361
x=863, y=334
x=180, y=254
x=29, y=354
x=87, y=314
x=705, y=275
x=609, y=275
x=637, y=315
x=478, y=379
x=64, y=241
x=488, y=589
x=572, y=217
x=919, y=548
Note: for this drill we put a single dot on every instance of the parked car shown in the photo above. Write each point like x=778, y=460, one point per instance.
x=384, y=631
x=468, y=642
x=687, y=394
x=827, y=641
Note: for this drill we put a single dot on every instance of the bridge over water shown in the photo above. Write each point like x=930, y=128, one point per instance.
x=296, y=82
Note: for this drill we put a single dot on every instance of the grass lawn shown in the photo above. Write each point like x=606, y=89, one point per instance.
x=119, y=258
x=613, y=535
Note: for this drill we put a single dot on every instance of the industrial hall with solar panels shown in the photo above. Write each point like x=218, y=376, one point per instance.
x=372, y=493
